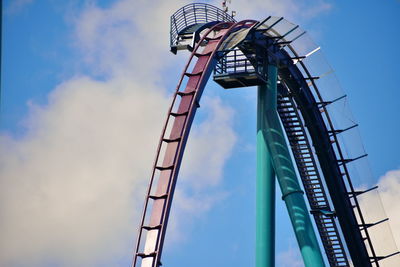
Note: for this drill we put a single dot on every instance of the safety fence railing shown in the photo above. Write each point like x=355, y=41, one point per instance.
x=192, y=14
x=233, y=62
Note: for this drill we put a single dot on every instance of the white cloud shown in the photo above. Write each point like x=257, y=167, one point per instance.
x=389, y=234
x=290, y=258
x=141, y=41
x=222, y=138
x=378, y=205
x=71, y=189
x=389, y=188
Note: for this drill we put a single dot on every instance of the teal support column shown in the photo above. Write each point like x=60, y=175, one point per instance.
x=286, y=175
x=265, y=192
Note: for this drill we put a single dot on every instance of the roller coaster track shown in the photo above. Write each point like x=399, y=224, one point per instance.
x=314, y=143
x=175, y=142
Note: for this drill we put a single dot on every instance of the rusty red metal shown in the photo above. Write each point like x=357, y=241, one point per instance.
x=175, y=142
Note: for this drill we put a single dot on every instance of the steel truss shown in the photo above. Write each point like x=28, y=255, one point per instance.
x=240, y=51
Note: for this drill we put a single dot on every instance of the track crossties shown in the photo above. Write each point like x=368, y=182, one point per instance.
x=239, y=52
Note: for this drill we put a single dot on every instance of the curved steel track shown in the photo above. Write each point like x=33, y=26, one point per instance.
x=173, y=141
x=313, y=143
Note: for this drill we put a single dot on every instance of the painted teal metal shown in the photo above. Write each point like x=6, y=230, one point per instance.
x=286, y=175
x=265, y=191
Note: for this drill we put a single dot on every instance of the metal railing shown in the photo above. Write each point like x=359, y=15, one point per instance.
x=233, y=62
x=192, y=14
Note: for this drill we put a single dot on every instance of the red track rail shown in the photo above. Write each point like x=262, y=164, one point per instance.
x=172, y=144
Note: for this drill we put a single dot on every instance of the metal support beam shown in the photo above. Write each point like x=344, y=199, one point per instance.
x=287, y=178
x=265, y=191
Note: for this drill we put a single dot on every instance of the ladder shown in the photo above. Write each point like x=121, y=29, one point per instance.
x=324, y=217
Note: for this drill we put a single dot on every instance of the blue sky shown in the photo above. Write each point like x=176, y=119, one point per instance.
x=85, y=89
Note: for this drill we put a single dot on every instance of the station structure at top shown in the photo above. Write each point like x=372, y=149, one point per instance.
x=307, y=141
